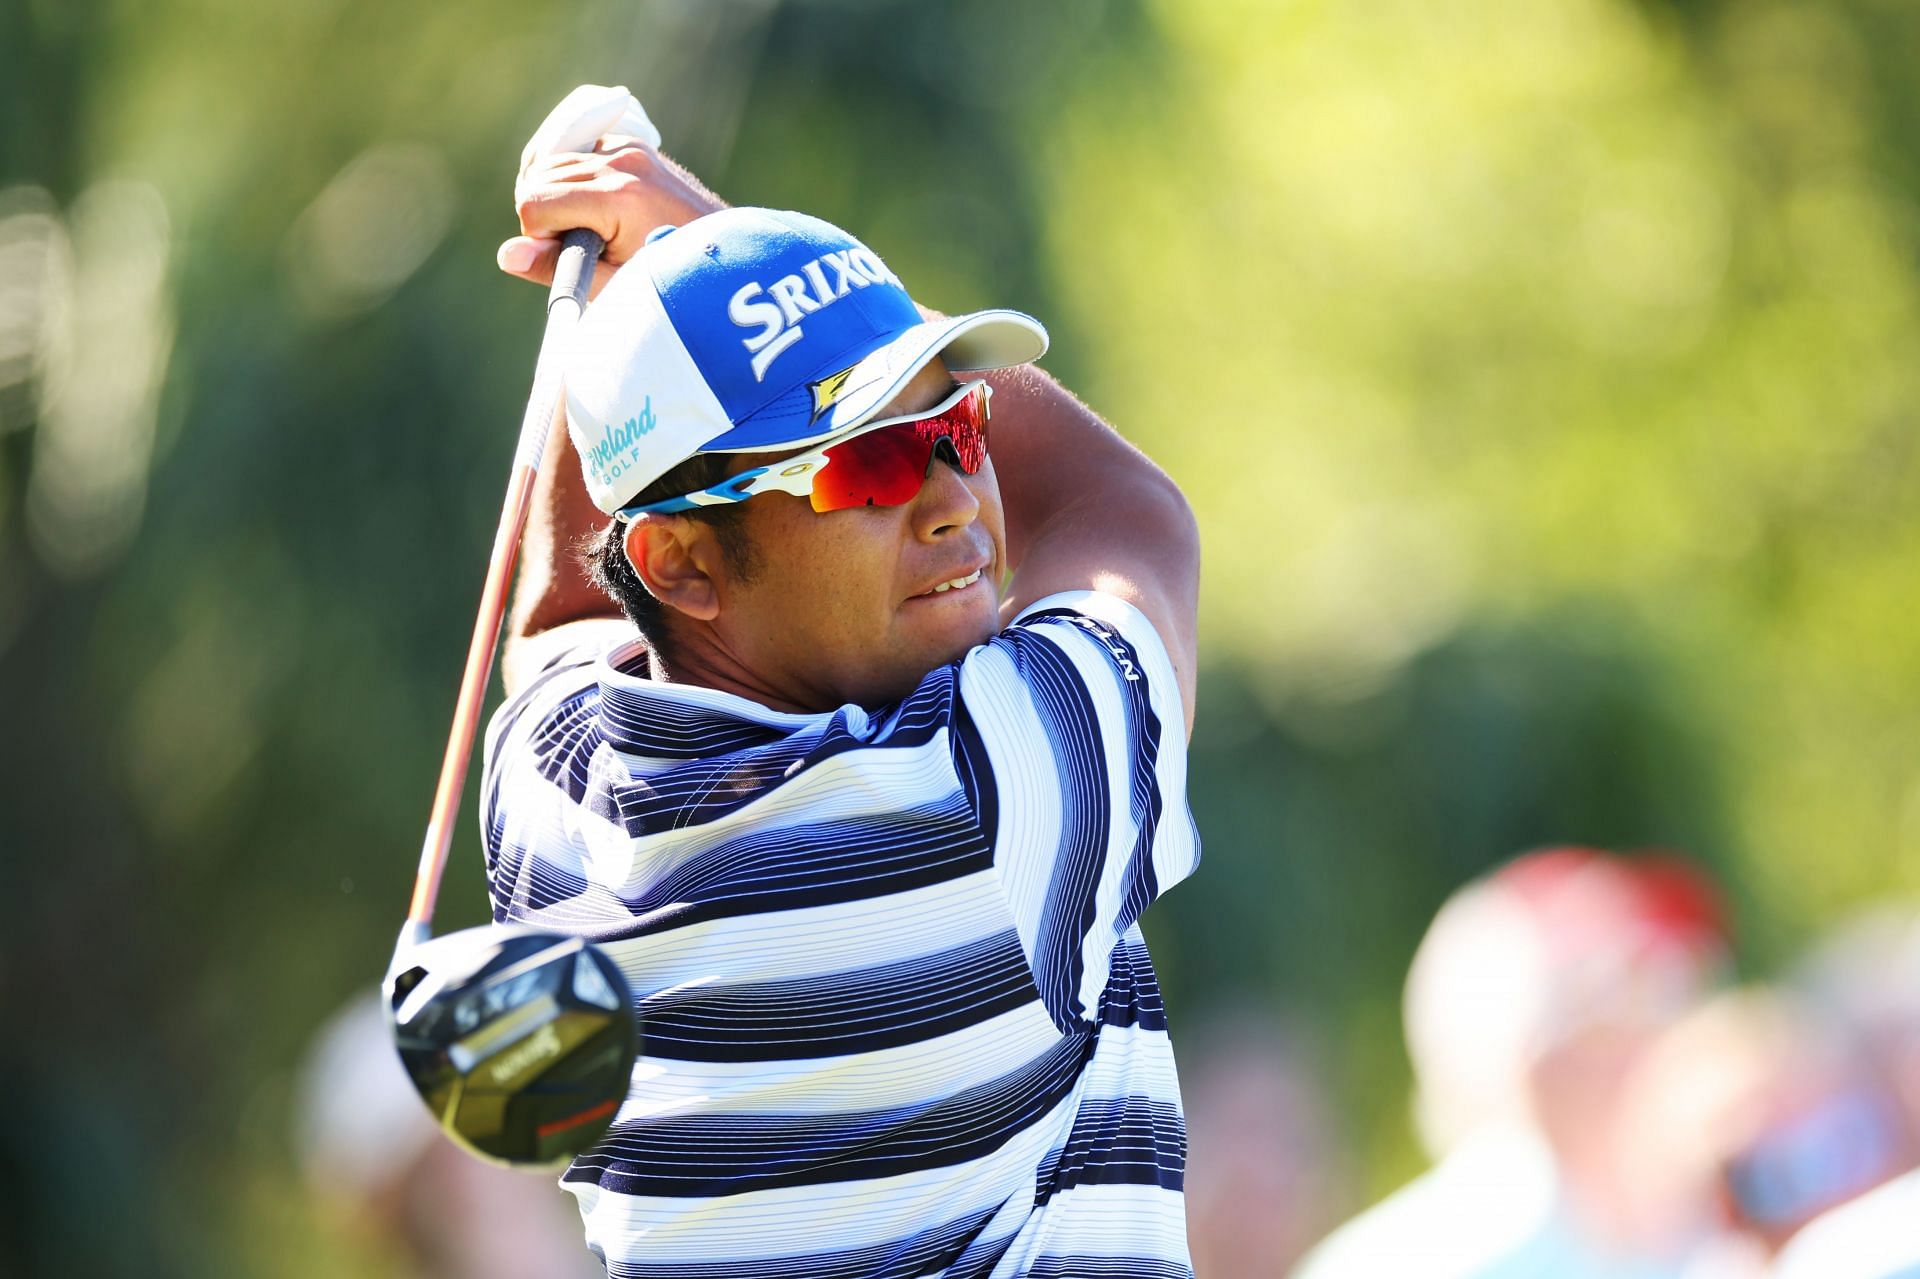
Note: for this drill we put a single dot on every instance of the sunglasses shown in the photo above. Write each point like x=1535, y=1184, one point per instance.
x=883, y=464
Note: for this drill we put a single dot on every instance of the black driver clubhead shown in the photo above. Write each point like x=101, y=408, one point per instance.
x=521, y=1042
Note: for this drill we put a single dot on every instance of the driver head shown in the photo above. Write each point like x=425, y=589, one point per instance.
x=521, y=1042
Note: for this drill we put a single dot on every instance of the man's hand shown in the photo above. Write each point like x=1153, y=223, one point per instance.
x=622, y=189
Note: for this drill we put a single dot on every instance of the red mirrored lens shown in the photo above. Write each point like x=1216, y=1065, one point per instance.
x=886, y=467
x=881, y=468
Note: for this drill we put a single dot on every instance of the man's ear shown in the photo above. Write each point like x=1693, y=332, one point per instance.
x=674, y=558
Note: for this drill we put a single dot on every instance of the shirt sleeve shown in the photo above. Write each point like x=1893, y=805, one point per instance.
x=1070, y=740
x=539, y=754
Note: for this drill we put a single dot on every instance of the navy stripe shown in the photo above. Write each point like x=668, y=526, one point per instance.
x=730, y=762
x=788, y=868
x=1145, y=803
x=1066, y=713
x=974, y=767
x=648, y=724
x=978, y=1261
x=709, y=1155
x=714, y=787
x=582, y=663
x=1073, y=1267
x=929, y=1252
x=514, y=880
x=1132, y=996
x=1132, y=1141
x=562, y=747
x=518, y=880
x=818, y=864
x=862, y=1010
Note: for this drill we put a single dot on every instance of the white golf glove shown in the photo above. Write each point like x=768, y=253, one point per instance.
x=581, y=119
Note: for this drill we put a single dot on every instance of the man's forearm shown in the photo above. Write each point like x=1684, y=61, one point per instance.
x=1087, y=510
x=553, y=588
x=1053, y=454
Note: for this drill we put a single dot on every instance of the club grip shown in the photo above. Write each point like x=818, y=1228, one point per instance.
x=573, y=274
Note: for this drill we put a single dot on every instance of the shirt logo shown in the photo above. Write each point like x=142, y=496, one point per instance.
x=1112, y=643
x=819, y=284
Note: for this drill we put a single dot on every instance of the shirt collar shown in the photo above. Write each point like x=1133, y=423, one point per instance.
x=648, y=716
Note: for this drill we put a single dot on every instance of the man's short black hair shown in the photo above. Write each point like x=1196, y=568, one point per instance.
x=605, y=554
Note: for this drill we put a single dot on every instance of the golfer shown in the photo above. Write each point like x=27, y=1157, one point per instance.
x=849, y=682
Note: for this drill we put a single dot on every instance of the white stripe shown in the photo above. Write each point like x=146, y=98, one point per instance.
x=876, y=782
x=1027, y=784
x=819, y=940
x=1103, y=1221
x=1132, y=1061
x=803, y=1219
x=862, y=1081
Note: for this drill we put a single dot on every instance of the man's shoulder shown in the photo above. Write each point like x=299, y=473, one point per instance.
x=567, y=647
x=1102, y=626
x=555, y=680
x=1096, y=612
x=1078, y=654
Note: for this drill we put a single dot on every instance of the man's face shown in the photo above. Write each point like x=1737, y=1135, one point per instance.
x=841, y=606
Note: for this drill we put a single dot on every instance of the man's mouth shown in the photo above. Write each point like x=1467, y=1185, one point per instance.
x=957, y=584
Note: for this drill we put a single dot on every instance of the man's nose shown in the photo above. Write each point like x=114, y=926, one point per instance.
x=946, y=501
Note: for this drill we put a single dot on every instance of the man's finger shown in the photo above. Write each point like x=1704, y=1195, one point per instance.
x=520, y=255
x=534, y=258
x=553, y=210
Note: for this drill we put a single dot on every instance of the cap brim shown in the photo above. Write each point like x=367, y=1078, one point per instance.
x=969, y=343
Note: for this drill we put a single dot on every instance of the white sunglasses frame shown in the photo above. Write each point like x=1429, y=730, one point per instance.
x=795, y=474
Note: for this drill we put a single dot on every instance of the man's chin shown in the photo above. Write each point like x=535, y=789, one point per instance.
x=964, y=636
x=902, y=674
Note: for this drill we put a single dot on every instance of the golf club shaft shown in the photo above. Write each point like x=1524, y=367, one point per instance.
x=572, y=276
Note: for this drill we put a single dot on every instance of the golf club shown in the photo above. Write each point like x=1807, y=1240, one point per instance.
x=521, y=1042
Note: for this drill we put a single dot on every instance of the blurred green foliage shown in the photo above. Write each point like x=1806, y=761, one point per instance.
x=1543, y=373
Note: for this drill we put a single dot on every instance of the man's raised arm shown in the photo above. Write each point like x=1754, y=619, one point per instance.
x=623, y=192
x=1086, y=510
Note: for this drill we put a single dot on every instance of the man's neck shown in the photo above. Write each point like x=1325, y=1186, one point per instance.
x=706, y=663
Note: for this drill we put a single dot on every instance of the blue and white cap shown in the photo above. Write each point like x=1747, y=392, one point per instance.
x=753, y=330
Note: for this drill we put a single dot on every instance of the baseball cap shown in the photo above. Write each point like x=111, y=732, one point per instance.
x=753, y=330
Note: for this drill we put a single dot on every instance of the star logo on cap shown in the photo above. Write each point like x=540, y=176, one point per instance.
x=828, y=390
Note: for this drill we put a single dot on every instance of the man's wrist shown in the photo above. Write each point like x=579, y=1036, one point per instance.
x=689, y=198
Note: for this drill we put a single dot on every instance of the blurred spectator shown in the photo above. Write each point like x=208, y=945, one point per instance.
x=374, y=1158
x=1867, y=976
x=1531, y=1000
x=1750, y=1115
x=1265, y=1171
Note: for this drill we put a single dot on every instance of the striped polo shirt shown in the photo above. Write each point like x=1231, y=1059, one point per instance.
x=897, y=1016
